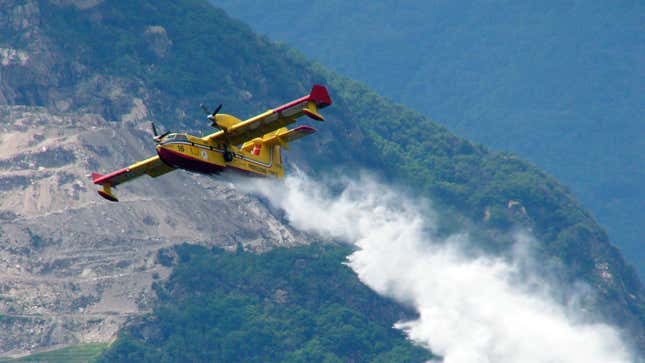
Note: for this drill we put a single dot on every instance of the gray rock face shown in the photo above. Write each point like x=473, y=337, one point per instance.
x=74, y=267
x=35, y=71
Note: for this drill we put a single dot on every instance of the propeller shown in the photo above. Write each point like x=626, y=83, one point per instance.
x=228, y=156
x=157, y=137
x=217, y=109
x=211, y=116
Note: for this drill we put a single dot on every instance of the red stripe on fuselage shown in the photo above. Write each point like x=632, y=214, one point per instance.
x=183, y=161
x=190, y=163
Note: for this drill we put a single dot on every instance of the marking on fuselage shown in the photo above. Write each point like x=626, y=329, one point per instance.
x=221, y=151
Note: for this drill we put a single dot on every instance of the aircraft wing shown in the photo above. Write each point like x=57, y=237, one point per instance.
x=280, y=137
x=152, y=166
x=276, y=118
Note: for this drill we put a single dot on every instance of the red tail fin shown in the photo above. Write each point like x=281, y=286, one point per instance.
x=320, y=96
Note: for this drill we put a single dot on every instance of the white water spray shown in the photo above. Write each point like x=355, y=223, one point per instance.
x=470, y=309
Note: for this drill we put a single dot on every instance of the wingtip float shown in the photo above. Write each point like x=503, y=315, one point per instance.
x=252, y=147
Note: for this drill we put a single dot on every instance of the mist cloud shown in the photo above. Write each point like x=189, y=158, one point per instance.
x=471, y=309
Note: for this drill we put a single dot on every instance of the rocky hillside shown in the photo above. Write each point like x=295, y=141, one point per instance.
x=74, y=267
x=79, y=79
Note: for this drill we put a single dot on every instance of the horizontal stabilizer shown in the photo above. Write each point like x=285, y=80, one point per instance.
x=311, y=110
x=295, y=134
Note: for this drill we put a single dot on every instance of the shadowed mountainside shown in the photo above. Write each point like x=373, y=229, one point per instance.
x=559, y=83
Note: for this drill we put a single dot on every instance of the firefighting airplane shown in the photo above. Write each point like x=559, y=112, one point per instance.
x=252, y=146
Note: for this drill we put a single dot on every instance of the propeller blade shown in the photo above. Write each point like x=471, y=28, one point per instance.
x=217, y=109
x=213, y=118
x=158, y=138
x=154, y=129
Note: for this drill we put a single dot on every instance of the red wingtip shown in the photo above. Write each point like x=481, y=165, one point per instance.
x=96, y=176
x=320, y=95
x=100, y=179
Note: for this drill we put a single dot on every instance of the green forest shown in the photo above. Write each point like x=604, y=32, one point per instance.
x=297, y=304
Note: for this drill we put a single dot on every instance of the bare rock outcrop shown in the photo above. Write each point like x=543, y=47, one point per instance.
x=36, y=70
x=74, y=267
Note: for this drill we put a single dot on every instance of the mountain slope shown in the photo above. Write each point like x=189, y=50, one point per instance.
x=298, y=305
x=131, y=62
x=560, y=84
x=75, y=268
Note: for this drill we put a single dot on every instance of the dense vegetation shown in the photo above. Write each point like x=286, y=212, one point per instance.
x=290, y=304
x=82, y=353
x=560, y=83
x=117, y=50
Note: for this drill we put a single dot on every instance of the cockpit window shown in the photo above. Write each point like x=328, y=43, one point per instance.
x=178, y=137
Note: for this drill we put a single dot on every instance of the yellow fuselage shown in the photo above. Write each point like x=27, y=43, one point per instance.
x=205, y=156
